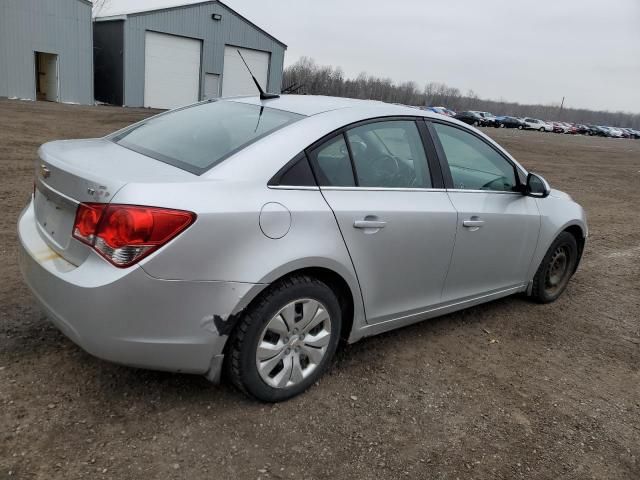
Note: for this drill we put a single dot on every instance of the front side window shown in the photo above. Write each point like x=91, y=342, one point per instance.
x=389, y=155
x=474, y=165
x=198, y=137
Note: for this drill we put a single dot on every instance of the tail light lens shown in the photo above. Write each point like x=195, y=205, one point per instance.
x=125, y=234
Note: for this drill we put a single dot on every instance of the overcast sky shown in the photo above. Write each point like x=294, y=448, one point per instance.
x=529, y=51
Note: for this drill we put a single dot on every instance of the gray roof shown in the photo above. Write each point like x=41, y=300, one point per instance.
x=123, y=8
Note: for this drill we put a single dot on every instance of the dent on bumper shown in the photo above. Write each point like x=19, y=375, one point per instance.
x=128, y=317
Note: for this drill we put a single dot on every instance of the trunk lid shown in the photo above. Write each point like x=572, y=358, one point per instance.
x=71, y=172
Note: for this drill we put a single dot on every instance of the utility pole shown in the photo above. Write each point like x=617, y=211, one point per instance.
x=561, y=107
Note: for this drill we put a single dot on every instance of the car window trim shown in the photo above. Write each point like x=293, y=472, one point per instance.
x=274, y=182
x=432, y=162
x=444, y=164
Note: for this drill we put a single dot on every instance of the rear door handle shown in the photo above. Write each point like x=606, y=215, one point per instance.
x=473, y=223
x=369, y=224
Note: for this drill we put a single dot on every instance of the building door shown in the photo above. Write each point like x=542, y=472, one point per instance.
x=211, y=85
x=47, y=83
x=236, y=80
x=172, y=70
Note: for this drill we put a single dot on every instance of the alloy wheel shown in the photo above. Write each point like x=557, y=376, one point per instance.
x=293, y=343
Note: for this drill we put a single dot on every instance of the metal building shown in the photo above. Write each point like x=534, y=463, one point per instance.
x=46, y=50
x=177, y=55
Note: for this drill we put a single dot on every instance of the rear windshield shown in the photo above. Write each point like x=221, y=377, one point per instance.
x=199, y=137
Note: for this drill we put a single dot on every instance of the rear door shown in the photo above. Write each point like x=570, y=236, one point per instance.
x=497, y=227
x=396, y=219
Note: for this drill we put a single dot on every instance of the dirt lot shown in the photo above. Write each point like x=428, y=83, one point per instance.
x=506, y=390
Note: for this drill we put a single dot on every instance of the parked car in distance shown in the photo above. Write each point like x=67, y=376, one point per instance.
x=442, y=111
x=489, y=119
x=615, y=132
x=537, y=124
x=582, y=129
x=510, y=122
x=559, y=127
x=253, y=234
x=594, y=130
x=634, y=134
x=471, y=118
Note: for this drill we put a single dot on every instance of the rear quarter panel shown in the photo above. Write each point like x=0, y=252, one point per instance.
x=226, y=243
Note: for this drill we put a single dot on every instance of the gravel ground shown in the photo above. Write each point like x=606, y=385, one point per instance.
x=505, y=390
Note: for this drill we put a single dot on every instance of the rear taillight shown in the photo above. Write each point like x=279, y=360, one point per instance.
x=124, y=234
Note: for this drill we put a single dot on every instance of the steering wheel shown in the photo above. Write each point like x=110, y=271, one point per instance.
x=385, y=167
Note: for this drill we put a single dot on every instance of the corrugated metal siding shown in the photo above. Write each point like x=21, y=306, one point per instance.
x=195, y=22
x=62, y=27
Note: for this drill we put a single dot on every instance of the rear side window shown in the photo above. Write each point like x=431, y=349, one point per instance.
x=296, y=173
x=332, y=163
x=199, y=137
x=389, y=155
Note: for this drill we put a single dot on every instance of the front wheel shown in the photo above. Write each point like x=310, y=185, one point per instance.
x=542, y=129
x=556, y=269
x=286, y=340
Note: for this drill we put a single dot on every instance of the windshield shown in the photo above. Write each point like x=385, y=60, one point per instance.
x=199, y=137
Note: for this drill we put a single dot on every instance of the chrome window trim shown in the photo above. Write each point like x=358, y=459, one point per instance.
x=383, y=189
x=499, y=192
x=292, y=187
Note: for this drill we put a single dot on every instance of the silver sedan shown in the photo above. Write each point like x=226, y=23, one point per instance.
x=249, y=236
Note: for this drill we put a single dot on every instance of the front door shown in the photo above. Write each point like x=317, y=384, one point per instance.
x=399, y=230
x=497, y=227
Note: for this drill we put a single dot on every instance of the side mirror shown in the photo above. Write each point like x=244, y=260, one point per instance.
x=537, y=186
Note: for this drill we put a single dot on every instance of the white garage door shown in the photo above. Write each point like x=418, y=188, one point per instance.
x=235, y=78
x=172, y=70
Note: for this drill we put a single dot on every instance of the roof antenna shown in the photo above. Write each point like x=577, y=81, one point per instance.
x=263, y=95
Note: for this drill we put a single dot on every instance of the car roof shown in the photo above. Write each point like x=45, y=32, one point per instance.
x=323, y=116
x=309, y=105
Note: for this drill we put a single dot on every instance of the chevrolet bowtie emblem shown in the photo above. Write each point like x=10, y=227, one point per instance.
x=44, y=171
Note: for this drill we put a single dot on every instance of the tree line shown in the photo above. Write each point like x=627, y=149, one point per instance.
x=307, y=77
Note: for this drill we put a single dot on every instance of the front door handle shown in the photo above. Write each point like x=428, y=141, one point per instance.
x=369, y=224
x=473, y=223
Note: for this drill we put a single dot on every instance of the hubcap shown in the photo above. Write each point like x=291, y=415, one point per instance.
x=293, y=343
x=557, y=271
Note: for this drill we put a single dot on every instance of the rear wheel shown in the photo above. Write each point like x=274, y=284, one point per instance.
x=285, y=342
x=556, y=269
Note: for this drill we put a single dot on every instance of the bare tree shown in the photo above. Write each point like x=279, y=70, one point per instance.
x=310, y=78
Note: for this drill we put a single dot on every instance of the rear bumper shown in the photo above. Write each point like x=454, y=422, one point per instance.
x=128, y=317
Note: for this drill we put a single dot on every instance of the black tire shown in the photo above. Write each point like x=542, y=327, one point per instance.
x=240, y=359
x=542, y=129
x=549, y=283
x=520, y=127
x=476, y=123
